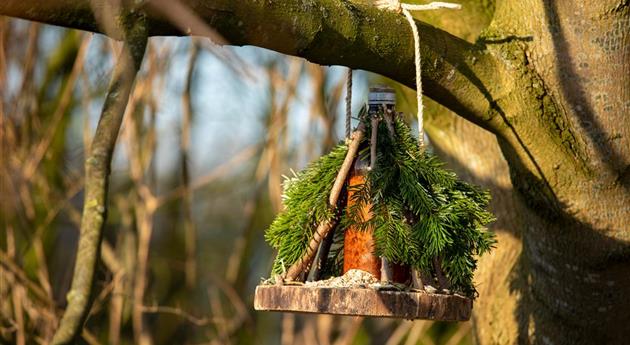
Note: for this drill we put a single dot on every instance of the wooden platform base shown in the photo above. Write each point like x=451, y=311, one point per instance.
x=363, y=302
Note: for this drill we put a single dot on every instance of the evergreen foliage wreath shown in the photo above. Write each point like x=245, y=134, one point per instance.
x=420, y=211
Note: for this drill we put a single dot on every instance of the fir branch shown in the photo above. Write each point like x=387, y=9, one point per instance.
x=326, y=223
x=423, y=215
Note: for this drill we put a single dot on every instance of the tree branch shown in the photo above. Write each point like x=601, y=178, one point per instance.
x=456, y=73
x=97, y=169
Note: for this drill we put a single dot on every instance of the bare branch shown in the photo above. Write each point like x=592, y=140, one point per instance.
x=97, y=169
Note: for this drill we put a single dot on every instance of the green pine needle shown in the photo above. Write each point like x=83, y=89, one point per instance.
x=420, y=211
x=305, y=199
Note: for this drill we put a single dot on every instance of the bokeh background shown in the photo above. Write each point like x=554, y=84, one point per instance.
x=196, y=179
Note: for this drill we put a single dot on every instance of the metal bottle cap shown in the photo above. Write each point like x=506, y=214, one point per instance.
x=381, y=95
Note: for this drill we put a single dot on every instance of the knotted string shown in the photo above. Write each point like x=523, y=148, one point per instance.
x=397, y=6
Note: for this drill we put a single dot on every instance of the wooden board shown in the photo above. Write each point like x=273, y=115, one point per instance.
x=363, y=302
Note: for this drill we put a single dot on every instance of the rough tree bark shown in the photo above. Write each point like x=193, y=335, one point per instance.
x=550, y=80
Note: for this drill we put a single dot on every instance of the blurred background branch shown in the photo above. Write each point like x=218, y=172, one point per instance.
x=97, y=170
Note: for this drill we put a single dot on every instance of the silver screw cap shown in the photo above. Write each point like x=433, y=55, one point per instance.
x=381, y=95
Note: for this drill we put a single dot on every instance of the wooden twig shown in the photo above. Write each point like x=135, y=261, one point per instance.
x=324, y=227
x=389, y=120
x=357, y=136
x=387, y=274
x=303, y=262
x=197, y=321
x=373, y=141
x=7, y=263
x=190, y=232
x=89, y=337
x=288, y=329
x=324, y=250
x=97, y=169
x=399, y=333
x=416, y=279
x=349, y=331
x=38, y=152
x=439, y=273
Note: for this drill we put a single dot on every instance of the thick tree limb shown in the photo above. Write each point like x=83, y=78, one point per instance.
x=456, y=73
x=97, y=169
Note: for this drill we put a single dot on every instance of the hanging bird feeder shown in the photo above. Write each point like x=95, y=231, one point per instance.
x=377, y=228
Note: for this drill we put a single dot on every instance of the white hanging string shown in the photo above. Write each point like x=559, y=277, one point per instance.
x=397, y=6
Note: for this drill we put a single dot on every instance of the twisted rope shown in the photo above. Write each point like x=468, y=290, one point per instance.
x=397, y=6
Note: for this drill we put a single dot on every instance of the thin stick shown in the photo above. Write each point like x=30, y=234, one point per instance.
x=349, y=103
x=89, y=337
x=399, y=333
x=373, y=140
x=324, y=250
x=7, y=263
x=288, y=329
x=301, y=264
x=416, y=332
x=64, y=102
x=389, y=120
x=439, y=273
x=97, y=169
x=416, y=279
x=17, y=295
x=357, y=136
x=197, y=321
x=324, y=227
x=190, y=232
x=142, y=161
x=350, y=331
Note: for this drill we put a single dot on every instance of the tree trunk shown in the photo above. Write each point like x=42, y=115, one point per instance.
x=561, y=271
x=572, y=281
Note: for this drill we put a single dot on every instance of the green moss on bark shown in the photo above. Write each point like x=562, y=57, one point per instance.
x=536, y=108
